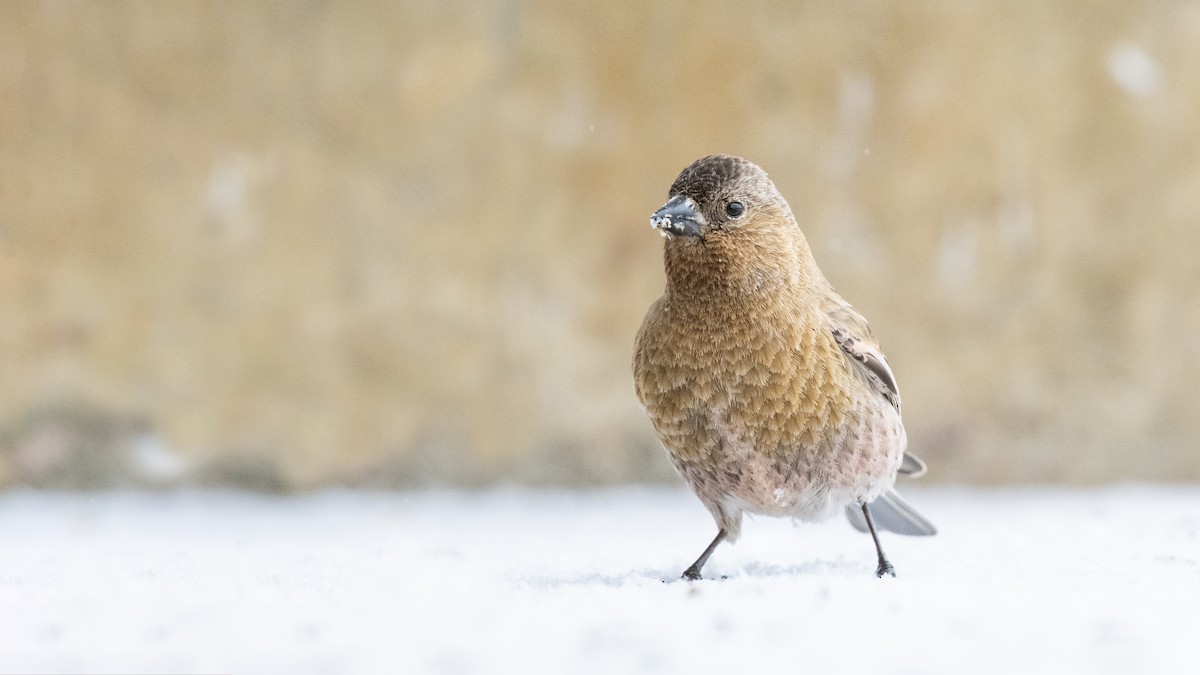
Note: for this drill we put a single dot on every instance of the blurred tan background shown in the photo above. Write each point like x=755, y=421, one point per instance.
x=287, y=245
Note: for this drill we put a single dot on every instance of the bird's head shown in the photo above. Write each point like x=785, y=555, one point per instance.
x=718, y=195
x=727, y=225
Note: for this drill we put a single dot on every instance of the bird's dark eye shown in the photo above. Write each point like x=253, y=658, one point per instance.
x=734, y=209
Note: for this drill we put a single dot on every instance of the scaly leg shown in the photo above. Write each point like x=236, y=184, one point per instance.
x=885, y=567
x=693, y=573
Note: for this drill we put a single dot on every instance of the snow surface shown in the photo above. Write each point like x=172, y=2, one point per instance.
x=512, y=581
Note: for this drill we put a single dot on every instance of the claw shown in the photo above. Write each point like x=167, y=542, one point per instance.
x=885, y=567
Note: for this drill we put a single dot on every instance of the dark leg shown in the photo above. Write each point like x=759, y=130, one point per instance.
x=693, y=573
x=885, y=567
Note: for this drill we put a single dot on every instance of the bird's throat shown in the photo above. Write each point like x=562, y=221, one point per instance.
x=709, y=268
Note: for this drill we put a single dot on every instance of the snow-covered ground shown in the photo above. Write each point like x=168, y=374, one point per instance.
x=510, y=581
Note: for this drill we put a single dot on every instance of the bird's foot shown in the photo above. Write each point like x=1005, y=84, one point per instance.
x=885, y=567
x=692, y=574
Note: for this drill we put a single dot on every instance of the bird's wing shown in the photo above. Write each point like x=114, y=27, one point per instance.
x=847, y=325
x=865, y=354
x=854, y=337
x=852, y=334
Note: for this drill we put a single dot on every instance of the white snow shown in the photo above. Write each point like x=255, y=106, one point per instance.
x=512, y=581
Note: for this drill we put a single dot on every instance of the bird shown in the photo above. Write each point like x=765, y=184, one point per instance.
x=769, y=391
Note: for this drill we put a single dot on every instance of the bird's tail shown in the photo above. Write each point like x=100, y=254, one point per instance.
x=890, y=512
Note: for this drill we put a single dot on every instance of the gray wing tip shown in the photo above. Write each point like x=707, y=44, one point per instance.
x=892, y=514
x=912, y=466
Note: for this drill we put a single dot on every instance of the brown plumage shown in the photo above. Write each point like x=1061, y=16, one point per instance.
x=768, y=390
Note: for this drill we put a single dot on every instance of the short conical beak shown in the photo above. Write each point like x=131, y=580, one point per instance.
x=679, y=217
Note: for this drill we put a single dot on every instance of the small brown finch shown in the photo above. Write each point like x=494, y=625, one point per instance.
x=768, y=390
